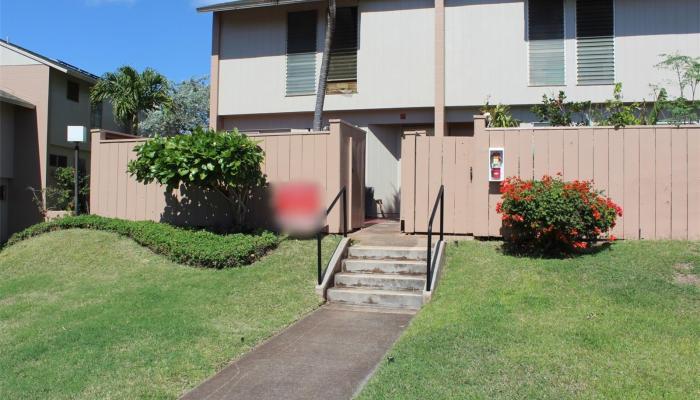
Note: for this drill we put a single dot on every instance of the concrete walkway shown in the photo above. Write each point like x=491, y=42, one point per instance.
x=327, y=355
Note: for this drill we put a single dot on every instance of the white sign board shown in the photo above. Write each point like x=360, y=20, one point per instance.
x=77, y=134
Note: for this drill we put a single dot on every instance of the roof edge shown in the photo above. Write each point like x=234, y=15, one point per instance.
x=55, y=64
x=246, y=4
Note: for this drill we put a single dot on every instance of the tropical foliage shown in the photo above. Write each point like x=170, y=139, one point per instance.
x=499, y=116
x=226, y=162
x=131, y=93
x=558, y=112
x=551, y=216
x=60, y=194
x=188, y=110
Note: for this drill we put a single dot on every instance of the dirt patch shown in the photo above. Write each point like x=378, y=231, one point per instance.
x=686, y=279
x=683, y=267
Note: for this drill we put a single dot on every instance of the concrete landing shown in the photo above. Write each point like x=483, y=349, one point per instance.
x=327, y=355
x=386, y=233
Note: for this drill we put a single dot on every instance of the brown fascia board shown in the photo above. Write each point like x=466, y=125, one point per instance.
x=245, y=4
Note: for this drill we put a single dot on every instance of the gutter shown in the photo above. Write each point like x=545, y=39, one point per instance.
x=247, y=4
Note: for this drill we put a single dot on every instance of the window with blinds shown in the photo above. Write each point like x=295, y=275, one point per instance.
x=595, y=42
x=301, y=53
x=546, y=42
x=343, y=55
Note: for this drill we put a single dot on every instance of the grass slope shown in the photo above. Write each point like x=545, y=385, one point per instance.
x=89, y=314
x=609, y=325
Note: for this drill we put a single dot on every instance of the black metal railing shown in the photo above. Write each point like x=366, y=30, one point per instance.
x=430, y=263
x=319, y=236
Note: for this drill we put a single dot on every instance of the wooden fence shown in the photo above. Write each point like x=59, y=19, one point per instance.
x=331, y=159
x=653, y=172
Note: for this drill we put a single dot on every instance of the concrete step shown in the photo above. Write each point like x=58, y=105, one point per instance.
x=380, y=281
x=384, y=266
x=376, y=298
x=385, y=252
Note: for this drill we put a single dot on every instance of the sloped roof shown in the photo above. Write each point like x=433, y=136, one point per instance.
x=56, y=64
x=243, y=4
x=8, y=97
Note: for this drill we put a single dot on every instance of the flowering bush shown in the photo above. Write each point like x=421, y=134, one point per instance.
x=552, y=216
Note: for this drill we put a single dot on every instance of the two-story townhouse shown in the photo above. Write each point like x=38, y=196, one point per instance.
x=40, y=98
x=430, y=64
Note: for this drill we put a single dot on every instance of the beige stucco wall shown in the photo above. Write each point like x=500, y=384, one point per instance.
x=30, y=83
x=487, y=50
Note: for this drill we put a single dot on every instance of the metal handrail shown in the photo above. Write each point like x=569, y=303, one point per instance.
x=319, y=235
x=430, y=262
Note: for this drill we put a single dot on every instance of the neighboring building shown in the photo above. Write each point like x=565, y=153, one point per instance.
x=39, y=97
x=430, y=64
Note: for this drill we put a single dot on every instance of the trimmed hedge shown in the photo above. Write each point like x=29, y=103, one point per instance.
x=197, y=248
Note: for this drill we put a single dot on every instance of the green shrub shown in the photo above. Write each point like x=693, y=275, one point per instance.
x=618, y=114
x=192, y=247
x=228, y=163
x=553, y=217
x=499, y=116
x=556, y=111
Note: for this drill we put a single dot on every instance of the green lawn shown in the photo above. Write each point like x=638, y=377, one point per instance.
x=92, y=315
x=611, y=325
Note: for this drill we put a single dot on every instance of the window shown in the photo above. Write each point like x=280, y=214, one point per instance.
x=73, y=91
x=343, y=56
x=546, y=42
x=96, y=115
x=595, y=42
x=301, y=53
x=58, y=161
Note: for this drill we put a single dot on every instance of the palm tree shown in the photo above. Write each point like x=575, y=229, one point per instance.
x=325, y=61
x=131, y=93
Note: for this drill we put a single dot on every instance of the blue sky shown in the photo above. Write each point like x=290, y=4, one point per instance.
x=101, y=35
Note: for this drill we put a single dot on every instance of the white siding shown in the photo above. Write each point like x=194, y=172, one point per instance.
x=11, y=57
x=395, y=60
x=487, y=50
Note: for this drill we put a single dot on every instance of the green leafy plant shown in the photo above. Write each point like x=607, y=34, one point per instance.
x=553, y=217
x=558, y=112
x=60, y=195
x=189, y=109
x=228, y=163
x=618, y=114
x=499, y=116
x=651, y=116
x=132, y=93
x=192, y=247
x=686, y=70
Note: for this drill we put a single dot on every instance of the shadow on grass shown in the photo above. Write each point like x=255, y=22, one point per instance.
x=552, y=252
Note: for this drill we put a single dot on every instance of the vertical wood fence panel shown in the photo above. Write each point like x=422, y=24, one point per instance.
x=652, y=172
x=311, y=157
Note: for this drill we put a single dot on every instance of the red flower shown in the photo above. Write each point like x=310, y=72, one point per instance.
x=580, y=245
x=612, y=238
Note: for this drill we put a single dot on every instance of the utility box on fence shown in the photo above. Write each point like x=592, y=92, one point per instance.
x=496, y=164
